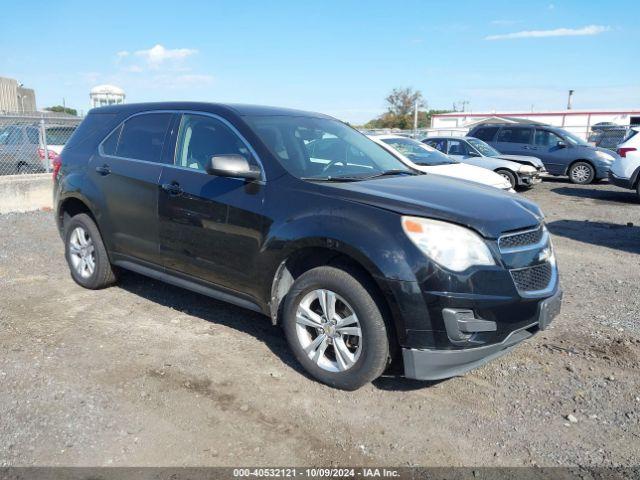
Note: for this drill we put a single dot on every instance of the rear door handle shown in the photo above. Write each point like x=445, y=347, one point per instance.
x=172, y=188
x=104, y=169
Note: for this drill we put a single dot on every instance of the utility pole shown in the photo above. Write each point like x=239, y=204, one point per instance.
x=415, y=119
x=570, y=100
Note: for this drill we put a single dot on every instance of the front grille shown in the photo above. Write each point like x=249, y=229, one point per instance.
x=534, y=278
x=515, y=240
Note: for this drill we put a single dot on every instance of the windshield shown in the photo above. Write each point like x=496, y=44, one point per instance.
x=324, y=149
x=484, y=148
x=418, y=152
x=573, y=139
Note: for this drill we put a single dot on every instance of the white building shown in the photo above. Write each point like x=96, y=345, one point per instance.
x=579, y=122
x=103, y=95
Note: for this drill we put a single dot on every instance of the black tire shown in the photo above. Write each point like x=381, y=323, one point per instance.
x=577, y=173
x=509, y=176
x=638, y=190
x=102, y=275
x=374, y=355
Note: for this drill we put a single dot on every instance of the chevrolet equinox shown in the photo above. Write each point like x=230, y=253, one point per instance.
x=298, y=216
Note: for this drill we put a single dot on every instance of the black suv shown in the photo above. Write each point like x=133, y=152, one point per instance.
x=300, y=217
x=562, y=152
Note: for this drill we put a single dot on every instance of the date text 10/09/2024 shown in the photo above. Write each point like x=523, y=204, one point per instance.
x=315, y=472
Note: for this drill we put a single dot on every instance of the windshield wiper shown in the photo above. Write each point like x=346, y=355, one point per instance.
x=348, y=178
x=332, y=179
x=387, y=173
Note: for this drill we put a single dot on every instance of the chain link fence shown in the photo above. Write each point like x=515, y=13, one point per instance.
x=31, y=143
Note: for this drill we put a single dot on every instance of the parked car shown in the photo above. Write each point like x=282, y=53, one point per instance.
x=523, y=172
x=22, y=148
x=625, y=171
x=18, y=149
x=562, y=152
x=429, y=160
x=57, y=137
x=361, y=259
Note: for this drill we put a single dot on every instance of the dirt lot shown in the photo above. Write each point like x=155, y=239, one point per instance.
x=148, y=374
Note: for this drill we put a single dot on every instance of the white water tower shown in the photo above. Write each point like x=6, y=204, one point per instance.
x=103, y=95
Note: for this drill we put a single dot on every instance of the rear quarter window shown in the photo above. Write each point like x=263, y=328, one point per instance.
x=91, y=131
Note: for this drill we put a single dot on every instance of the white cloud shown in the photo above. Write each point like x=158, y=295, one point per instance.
x=122, y=54
x=158, y=54
x=558, y=32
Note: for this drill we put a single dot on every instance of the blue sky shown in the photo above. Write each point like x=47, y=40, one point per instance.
x=337, y=57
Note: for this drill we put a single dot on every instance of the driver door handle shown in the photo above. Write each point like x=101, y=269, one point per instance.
x=172, y=188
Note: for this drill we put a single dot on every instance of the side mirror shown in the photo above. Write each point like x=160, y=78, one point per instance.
x=472, y=153
x=561, y=144
x=232, y=166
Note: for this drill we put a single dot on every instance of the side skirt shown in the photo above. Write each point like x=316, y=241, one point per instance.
x=192, y=285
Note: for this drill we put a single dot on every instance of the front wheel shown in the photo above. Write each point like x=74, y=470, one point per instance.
x=335, y=328
x=509, y=176
x=581, y=173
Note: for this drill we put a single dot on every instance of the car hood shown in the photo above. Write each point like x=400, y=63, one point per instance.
x=600, y=149
x=524, y=159
x=468, y=172
x=485, y=209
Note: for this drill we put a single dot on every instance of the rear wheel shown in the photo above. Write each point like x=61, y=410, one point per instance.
x=509, y=176
x=581, y=173
x=638, y=190
x=335, y=328
x=85, y=253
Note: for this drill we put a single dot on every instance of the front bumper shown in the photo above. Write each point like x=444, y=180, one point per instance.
x=431, y=364
x=529, y=180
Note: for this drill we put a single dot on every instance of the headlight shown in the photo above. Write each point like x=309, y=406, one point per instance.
x=527, y=169
x=454, y=247
x=604, y=156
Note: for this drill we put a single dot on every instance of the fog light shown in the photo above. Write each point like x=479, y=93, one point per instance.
x=461, y=324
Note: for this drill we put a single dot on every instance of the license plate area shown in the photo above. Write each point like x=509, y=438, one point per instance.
x=549, y=309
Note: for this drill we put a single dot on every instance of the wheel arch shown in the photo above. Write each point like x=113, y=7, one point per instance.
x=71, y=206
x=308, y=257
x=583, y=160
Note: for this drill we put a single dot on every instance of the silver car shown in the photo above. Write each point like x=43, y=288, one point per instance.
x=521, y=171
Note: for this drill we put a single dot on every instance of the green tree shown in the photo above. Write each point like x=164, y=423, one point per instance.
x=402, y=101
x=61, y=109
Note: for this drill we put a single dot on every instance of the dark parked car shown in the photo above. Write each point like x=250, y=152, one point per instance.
x=360, y=258
x=562, y=152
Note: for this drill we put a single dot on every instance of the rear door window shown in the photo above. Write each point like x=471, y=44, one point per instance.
x=515, y=135
x=486, y=133
x=142, y=137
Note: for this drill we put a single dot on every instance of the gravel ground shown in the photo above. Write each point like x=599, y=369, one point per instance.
x=149, y=374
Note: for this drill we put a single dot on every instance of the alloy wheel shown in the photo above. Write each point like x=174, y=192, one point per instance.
x=82, y=252
x=328, y=330
x=581, y=173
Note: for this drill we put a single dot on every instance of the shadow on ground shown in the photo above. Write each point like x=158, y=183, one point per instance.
x=242, y=320
x=603, y=234
x=600, y=194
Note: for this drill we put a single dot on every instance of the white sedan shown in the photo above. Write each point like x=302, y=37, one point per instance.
x=427, y=159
